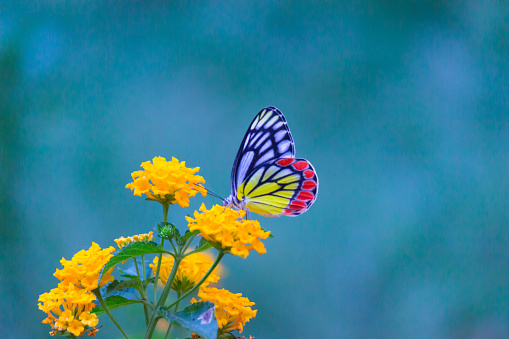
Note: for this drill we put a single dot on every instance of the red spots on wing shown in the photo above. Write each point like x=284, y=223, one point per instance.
x=304, y=196
x=291, y=212
x=308, y=184
x=285, y=162
x=309, y=174
x=297, y=205
x=300, y=165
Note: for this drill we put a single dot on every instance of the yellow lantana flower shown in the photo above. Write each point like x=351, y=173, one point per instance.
x=121, y=242
x=70, y=305
x=84, y=268
x=225, y=229
x=190, y=271
x=232, y=310
x=168, y=182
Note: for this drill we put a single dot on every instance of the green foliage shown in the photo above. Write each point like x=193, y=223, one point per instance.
x=132, y=273
x=113, y=302
x=198, y=317
x=189, y=234
x=120, y=285
x=203, y=245
x=130, y=251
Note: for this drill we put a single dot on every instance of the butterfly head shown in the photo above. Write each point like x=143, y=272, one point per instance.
x=232, y=202
x=228, y=201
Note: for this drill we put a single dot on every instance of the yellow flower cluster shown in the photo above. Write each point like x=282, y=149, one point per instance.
x=121, y=242
x=224, y=228
x=232, y=310
x=190, y=271
x=167, y=181
x=69, y=306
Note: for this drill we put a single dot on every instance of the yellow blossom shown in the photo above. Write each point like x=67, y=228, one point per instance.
x=75, y=327
x=167, y=181
x=225, y=229
x=70, y=305
x=190, y=271
x=232, y=310
x=84, y=268
x=89, y=319
x=121, y=242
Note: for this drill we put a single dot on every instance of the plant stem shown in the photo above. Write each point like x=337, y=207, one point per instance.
x=156, y=278
x=162, y=298
x=167, y=287
x=218, y=259
x=165, y=212
x=145, y=309
x=188, y=242
x=169, y=325
x=107, y=310
x=173, y=246
x=143, y=266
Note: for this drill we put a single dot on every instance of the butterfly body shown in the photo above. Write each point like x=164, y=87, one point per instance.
x=267, y=179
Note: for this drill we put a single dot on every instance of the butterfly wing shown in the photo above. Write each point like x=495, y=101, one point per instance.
x=283, y=186
x=267, y=138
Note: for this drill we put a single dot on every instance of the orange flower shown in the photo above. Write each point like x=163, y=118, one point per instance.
x=232, y=310
x=70, y=305
x=225, y=229
x=168, y=182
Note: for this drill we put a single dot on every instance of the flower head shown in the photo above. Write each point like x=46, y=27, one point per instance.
x=121, y=242
x=70, y=305
x=168, y=182
x=225, y=229
x=232, y=310
x=83, y=269
x=190, y=271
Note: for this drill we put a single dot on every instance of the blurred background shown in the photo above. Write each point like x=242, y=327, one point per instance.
x=402, y=107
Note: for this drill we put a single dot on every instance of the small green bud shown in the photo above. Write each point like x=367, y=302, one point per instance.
x=166, y=230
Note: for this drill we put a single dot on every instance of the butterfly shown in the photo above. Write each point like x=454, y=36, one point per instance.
x=266, y=177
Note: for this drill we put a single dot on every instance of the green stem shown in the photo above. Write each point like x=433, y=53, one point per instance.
x=165, y=212
x=162, y=298
x=143, y=266
x=107, y=310
x=136, y=265
x=189, y=241
x=145, y=309
x=173, y=246
x=167, y=287
x=175, y=310
x=218, y=259
x=156, y=278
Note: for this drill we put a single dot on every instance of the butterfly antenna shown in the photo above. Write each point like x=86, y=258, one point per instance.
x=212, y=193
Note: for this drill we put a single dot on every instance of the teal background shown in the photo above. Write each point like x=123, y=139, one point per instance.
x=402, y=107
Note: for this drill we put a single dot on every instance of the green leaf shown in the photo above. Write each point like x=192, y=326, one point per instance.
x=199, y=318
x=178, y=238
x=226, y=336
x=114, y=302
x=202, y=246
x=116, y=285
x=203, y=242
x=130, y=251
x=189, y=234
x=132, y=273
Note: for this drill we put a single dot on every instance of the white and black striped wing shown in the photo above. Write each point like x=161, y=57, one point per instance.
x=267, y=138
